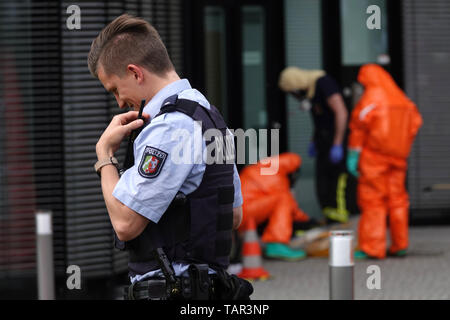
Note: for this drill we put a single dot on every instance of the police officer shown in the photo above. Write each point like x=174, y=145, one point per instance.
x=172, y=210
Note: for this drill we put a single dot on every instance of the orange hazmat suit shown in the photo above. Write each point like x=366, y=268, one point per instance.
x=383, y=126
x=269, y=197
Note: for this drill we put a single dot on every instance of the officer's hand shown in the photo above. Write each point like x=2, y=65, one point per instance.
x=120, y=127
x=336, y=153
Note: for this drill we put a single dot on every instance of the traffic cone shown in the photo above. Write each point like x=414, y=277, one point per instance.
x=251, y=255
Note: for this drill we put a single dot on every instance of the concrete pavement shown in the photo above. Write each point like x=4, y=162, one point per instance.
x=423, y=274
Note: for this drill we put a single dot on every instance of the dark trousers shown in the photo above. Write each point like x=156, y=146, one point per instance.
x=335, y=188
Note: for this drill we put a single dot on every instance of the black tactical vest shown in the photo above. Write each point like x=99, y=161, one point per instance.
x=197, y=227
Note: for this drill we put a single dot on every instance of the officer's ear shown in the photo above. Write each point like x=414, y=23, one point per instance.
x=136, y=72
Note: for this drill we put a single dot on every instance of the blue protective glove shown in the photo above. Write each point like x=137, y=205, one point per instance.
x=352, y=162
x=336, y=153
x=312, y=149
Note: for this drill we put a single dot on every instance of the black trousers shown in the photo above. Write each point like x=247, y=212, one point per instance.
x=335, y=188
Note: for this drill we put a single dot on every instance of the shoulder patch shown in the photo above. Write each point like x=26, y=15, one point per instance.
x=152, y=162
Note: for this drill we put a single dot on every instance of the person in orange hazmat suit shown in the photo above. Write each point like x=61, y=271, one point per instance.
x=269, y=197
x=383, y=126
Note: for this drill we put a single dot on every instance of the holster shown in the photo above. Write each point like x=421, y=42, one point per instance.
x=198, y=285
x=231, y=287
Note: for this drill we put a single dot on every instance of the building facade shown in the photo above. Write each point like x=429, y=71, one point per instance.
x=52, y=111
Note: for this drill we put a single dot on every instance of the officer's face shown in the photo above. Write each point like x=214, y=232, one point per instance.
x=125, y=89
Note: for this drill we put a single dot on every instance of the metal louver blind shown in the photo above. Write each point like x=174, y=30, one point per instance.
x=52, y=111
x=427, y=79
x=87, y=111
x=31, y=157
x=167, y=17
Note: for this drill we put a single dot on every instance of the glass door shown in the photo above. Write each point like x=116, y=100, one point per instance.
x=215, y=58
x=253, y=67
x=254, y=76
x=361, y=43
x=239, y=65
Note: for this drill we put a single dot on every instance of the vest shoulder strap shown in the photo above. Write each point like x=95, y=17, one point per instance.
x=194, y=110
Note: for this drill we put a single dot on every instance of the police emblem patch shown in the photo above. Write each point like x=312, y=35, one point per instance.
x=151, y=163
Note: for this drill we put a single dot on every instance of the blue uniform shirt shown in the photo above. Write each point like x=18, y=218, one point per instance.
x=177, y=141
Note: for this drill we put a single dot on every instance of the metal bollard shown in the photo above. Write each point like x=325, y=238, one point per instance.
x=341, y=265
x=44, y=252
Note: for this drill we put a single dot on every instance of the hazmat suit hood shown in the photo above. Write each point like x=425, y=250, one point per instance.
x=374, y=78
x=293, y=78
x=385, y=120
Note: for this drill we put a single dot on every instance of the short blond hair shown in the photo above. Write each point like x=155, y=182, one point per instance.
x=128, y=40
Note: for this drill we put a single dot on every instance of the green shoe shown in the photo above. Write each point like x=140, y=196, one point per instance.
x=360, y=255
x=281, y=251
x=399, y=253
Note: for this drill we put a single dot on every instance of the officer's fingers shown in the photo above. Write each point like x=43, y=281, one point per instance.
x=127, y=117
x=133, y=125
x=133, y=116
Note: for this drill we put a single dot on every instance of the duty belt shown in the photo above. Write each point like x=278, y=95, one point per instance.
x=151, y=289
x=185, y=288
